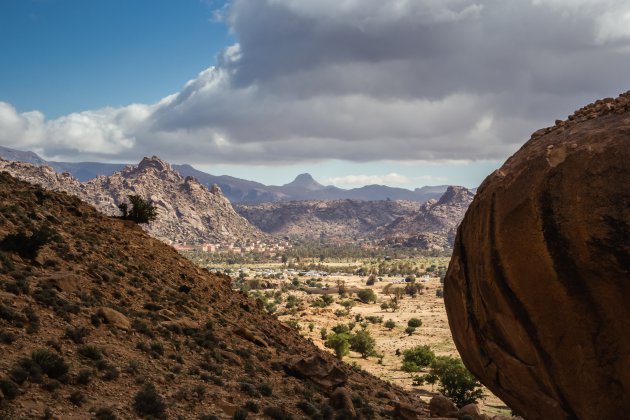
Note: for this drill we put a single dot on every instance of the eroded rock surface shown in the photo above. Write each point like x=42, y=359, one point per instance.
x=538, y=288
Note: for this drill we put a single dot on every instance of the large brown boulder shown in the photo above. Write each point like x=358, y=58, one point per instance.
x=538, y=289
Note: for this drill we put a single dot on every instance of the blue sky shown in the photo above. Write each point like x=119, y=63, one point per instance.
x=73, y=55
x=406, y=93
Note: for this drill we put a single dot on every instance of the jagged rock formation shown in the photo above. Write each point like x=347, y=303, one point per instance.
x=538, y=287
x=433, y=226
x=103, y=320
x=333, y=219
x=187, y=211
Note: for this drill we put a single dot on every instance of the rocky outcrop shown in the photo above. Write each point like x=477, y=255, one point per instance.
x=538, y=287
x=187, y=211
x=338, y=218
x=433, y=226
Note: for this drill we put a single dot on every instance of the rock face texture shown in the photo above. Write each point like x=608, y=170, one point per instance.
x=187, y=211
x=433, y=226
x=538, y=289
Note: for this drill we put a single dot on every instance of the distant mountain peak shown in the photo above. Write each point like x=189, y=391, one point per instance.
x=456, y=194
x=305, y=181
x=154, y=162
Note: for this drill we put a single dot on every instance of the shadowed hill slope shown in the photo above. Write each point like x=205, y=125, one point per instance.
x=98, y=318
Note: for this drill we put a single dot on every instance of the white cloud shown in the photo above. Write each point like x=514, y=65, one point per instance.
x=363, y=80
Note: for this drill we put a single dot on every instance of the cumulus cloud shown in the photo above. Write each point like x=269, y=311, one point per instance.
x=363, y=80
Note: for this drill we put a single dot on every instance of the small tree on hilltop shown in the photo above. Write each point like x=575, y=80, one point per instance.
x=141, y=211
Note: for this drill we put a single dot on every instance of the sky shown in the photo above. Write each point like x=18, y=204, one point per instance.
x=399, y=92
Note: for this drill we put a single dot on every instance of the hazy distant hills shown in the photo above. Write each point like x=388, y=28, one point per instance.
x=237, y=190
x=339, y=219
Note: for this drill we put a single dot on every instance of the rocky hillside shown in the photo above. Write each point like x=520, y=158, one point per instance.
x=99, y=320
x=187, y=211
x=434, y=224
x=334, y=219
x=538, y=287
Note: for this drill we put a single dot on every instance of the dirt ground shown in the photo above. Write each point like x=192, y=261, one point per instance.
x=434, y=331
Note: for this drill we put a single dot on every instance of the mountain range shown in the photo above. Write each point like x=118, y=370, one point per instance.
x=188, y=212
x=340, y=219
x=237, y=190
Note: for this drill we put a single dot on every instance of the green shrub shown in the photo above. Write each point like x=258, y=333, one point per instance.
x=414, y=322
x=456, y=382
x=339, y=343
x=414, y=359
x=410, y=330
x=362, y=342
x=367, y=296
x=141, y=210
x=390, y=324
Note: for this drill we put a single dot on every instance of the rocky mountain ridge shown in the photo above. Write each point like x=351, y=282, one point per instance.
x=434, y=225
x=343, y=219
x=187, y=211
x=237, y=190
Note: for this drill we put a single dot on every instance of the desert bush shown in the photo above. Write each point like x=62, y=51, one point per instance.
x=9, y=389
x=84, y=376
x=414, y=359
x=104, y=413
x=77, y=398
x=252, y=406
x=410, y=330
x=90, y=351
x=7, y=337
x=28, y=246
x=275, y=413
x=339, y=343
x=456, y=382
x=390, y=324
x=362, y=342
x=265, y=389
x=240, y=414
x=148, y=402
x=414, y=322
x=53, y=365
x=367, y=296
x=76, y=334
